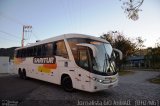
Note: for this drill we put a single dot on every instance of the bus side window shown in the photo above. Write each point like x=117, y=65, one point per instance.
x=60, y=49
x=54, y=48
x=22, y=53
x=32, y=52
x=36, y=48
x=29, y=52
x=43, y=50
x=26, y=55
x=39, y=50
x=25, y=52
x=83, y=59
x=17, y=55
x=49, y=48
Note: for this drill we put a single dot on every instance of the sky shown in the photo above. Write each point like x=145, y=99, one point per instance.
x=50, y=18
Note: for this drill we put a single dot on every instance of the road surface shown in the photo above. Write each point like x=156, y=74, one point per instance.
x=133, y=89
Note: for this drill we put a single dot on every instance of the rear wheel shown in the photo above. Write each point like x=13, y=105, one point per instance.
x=20, y=73
x=24, y=74
x=67, y=84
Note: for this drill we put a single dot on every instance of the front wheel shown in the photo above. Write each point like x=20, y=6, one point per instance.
x=67, y=84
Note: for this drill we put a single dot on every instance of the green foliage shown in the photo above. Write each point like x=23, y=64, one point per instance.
x=123, y=43
x=153, y=58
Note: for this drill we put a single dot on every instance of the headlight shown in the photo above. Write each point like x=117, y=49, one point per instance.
x=106, y=81
x=100, y=80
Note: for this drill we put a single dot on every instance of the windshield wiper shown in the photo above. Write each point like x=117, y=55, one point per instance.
x=105, y=63
x=109, y=70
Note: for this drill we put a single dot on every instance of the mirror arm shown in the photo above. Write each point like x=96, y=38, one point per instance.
x=120, y=53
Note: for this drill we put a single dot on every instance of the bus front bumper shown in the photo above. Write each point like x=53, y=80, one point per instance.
x=99, y=86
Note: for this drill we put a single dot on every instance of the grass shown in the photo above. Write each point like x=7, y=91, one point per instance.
x=155, y=80
x=122, y=72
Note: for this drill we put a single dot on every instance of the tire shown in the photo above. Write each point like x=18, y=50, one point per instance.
x=67, y=84
x=24, y=74
x=20, y=73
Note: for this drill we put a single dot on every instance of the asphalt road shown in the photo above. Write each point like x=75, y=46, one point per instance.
x=132, y=90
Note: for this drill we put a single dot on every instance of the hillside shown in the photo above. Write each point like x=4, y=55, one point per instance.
x=7, y=52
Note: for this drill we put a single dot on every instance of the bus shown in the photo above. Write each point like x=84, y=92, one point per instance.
x=74, y=61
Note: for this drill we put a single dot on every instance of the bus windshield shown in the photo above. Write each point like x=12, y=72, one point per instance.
x=103, y=63
x=104, y=60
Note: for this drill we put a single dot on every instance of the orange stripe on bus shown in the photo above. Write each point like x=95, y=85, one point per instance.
x=50, y=66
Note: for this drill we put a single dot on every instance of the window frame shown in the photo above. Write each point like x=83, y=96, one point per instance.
x=61, y=55
x=88, y=58
x=43, y=48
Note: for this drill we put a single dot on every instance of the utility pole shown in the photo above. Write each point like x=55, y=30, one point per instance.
x=26, y=28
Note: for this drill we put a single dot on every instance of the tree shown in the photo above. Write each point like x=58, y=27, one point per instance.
x=121, y=42
x=131, y=8
x=7, y=52
x=152, y=58
x=157, y=44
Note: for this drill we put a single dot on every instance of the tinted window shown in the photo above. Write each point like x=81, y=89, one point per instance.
x=18, y=53
x=39, y=50
x=72, y=43
x=43, y=50
x=83, y=59
x=60, y=49
x=49, y=49
x=35, y=51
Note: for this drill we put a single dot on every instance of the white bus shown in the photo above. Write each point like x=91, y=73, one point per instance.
x=72, y=60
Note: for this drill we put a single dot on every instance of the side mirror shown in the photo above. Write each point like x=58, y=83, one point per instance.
x=93, y=48
x=119, y=52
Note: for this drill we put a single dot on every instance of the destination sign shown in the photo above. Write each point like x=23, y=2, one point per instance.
x=44, y=60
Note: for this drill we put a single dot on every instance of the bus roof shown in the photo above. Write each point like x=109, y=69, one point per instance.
x=64, y=36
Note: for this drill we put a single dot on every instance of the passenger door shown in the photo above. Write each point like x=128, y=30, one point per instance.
x=62, y=58
x=83, y=72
